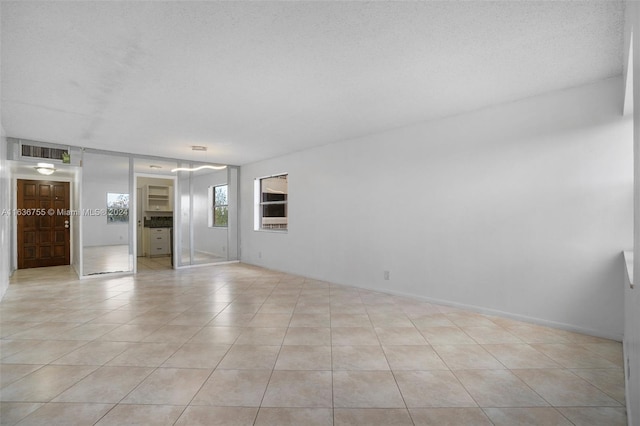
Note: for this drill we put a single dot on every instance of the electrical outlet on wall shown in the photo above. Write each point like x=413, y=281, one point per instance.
x=386, y=275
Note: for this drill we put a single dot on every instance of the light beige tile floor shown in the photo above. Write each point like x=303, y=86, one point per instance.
x=159, y=263
x=115, y=260
x=240, y=345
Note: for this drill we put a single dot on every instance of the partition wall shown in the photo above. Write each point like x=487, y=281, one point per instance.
x=113, y=217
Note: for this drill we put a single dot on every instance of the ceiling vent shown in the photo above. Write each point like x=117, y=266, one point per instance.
x=49, y=153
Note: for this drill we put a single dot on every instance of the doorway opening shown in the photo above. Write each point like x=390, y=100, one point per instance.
x=154, y=223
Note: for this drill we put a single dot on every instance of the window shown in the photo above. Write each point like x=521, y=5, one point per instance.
x=117, y=207
x=271, y=210
x=220, y=208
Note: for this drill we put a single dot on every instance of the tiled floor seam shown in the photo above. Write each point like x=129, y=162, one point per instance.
x=273, y=369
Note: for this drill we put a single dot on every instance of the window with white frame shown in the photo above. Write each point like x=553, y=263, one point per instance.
x=219, y=206
x=271, y=203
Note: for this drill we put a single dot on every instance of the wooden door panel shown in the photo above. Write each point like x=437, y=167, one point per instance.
x=58, y=221
x=29, y=222
x=29, y=252
x=43, y=239
x=44, y=191
x=44, y=252
x=44, y=223
x=30, y=190
x=29, y=237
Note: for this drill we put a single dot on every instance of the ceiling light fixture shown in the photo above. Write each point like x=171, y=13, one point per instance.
x=195, y=169
x=45, y=169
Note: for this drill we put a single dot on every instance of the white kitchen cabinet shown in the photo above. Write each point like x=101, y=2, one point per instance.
x=158, y=198
x=159, y=242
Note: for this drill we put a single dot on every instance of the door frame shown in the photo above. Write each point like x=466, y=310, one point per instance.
x=133, y=212
x=14, y=219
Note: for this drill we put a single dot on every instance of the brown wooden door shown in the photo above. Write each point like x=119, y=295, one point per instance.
x=43, y=228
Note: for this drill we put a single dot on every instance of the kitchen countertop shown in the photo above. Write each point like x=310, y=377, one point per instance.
x=159, y=222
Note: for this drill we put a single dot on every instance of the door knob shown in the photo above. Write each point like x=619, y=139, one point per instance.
x=66, y=224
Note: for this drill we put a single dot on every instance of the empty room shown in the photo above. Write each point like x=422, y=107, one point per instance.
x=319, y=213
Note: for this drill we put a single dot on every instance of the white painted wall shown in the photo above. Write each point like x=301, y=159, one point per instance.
x=233, y=228
x=631, y=341
x=5, y=220
x=632, y=296
x=76, y=223
x=520, y=209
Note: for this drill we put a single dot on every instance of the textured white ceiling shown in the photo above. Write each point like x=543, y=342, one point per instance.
x=253, y=80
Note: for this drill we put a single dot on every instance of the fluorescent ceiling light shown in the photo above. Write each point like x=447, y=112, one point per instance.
x=195, y=169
